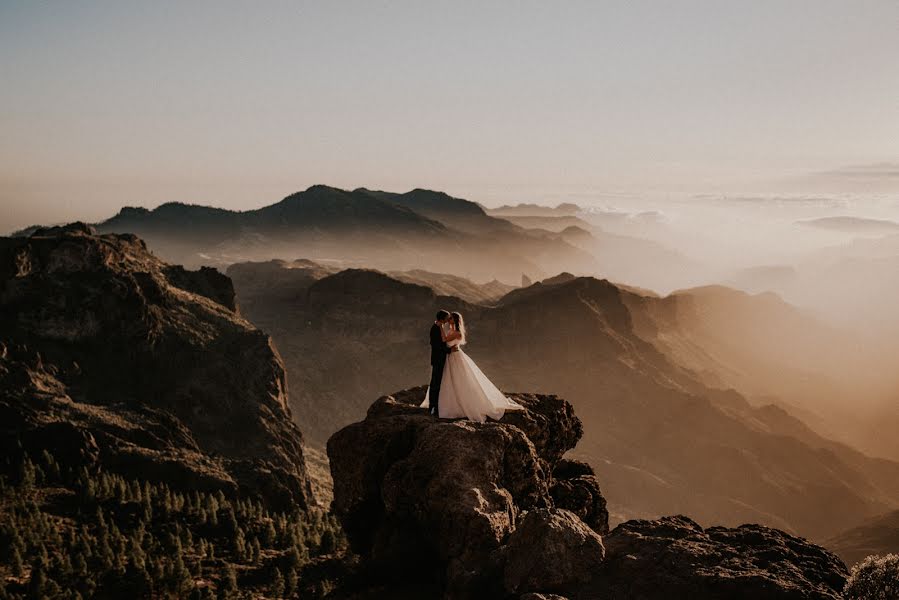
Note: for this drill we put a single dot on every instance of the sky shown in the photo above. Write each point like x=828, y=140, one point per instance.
x=238, y=104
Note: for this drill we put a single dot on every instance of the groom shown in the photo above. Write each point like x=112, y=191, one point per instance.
x=439, y=350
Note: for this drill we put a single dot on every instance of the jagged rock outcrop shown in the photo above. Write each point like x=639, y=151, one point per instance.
x=673, y=557
x=493, y=510
x=551, y=550
x=109, y=354
x=576, y=488
x=439, y=499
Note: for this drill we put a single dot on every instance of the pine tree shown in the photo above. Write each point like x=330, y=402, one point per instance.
x=277, y=588
x=15, y=561
x=43, y=555
x=63, y=565
x=296, y=558
x=120, y=492
x=146, y=510
x=138, y=580
x=181, y=579
x=239, y=545
x=137, y=494
x=135, y=552
x=212, y=514
x=269, y=534
x=290, y=582
x=166, y=502
x=104, y=553
x=38, y=579
x=158, y=570
x=27, y=474
x=51, y=589
x=52, y=468
x=329, y=542
x=79, y=565
x=228, y=585
x=230, y=523
x=256, y=550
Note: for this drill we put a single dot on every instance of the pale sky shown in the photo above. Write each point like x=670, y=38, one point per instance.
x=238, y=104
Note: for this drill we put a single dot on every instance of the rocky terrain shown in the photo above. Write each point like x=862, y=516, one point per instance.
x=110, y=357
x=149, y=446
x=148, y=449
x=666, y=441
x=459, y=509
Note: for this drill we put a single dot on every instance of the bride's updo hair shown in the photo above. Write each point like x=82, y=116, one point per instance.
x=460, y=325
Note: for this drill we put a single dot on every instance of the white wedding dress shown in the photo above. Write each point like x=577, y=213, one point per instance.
x=466, y=392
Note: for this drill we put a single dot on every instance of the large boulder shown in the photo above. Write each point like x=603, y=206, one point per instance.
x=673, y=557
x=110, y=353
x=576, y=488
x=551, y=551
x=439, y=499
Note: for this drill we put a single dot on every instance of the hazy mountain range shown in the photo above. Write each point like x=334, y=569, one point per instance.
x=727, y=406
x=155, y=407
x=420, y=229
x=660, y=436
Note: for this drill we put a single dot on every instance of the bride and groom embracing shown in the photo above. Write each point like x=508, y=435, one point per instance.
x=458, y=387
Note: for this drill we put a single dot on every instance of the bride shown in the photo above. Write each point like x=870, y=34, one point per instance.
x=464, y=390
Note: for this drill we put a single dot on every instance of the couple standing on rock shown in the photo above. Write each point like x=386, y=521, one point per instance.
x=458, y=387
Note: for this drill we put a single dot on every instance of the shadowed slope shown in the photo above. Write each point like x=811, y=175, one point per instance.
x=146, y=363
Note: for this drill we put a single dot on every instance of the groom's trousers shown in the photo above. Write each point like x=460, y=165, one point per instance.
x=434, y=390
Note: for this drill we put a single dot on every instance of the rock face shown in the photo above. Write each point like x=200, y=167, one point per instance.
x=552, y=550
x=439, y=499
x=675, y=557
x=110, y=354
x=492, y=510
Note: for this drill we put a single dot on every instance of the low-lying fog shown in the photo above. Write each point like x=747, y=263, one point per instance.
x=832, y=253
x=835, y=257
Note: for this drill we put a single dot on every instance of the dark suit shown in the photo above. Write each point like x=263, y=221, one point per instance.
x=439, y=350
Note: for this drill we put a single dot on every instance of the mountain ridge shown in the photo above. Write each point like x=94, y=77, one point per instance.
x=142, y=366
x=420, y=229
x=650, y=422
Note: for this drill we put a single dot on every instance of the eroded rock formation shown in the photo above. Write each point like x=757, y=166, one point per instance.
x=110, y=354
x=440, y=500
x=493, y=510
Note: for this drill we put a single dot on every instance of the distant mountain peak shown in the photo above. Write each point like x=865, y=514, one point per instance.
x=425, y=191
x=320, y=187
x=77, y=228
x=563, y=277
